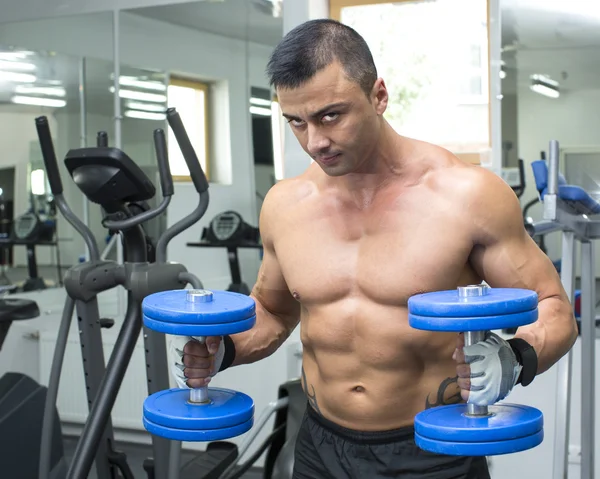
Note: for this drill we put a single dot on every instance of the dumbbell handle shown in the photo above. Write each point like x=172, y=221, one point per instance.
x=472, y=337
x=199, y=395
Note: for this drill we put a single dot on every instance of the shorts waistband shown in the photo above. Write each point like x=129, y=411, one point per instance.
x=364, y=437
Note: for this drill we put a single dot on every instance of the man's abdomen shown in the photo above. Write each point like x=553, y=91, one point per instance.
x=375, y=374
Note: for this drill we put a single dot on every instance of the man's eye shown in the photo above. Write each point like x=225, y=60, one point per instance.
x=295, y=122
x=330, y=117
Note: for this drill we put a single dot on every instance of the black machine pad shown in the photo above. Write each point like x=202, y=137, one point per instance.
x=14, y=309
x=107, y=175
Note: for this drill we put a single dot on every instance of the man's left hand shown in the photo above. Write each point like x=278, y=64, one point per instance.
x=487, y=370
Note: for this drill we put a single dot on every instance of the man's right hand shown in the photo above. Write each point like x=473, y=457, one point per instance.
x=194, y=363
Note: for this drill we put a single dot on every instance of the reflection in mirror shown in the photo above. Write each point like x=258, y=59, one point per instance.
x=33, y=83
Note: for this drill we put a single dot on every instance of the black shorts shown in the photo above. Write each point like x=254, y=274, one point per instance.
x=325, y=450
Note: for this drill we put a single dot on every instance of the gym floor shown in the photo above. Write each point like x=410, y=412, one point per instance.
x=136, y=454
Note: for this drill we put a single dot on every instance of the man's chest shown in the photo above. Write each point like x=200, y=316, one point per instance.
x=387, y=255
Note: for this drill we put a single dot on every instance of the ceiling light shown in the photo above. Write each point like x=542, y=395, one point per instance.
x=260, y=102
x=36, y=101
x=140, y=95
x=256, y=110
x=146, y=106
x=11, y=56
x=502, y=74
x=17, y=66
x=545, y=90
x=40, y=90
x=142, y=84
x=17, y=77
x=544, y=86
x=145, y=115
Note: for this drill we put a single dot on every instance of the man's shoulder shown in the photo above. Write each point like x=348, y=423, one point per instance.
x=465, y=181
x=289, y=191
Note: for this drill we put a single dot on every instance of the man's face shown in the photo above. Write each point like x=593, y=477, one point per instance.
x=333, y=119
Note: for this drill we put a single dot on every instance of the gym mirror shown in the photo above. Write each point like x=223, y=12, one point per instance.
x=550, y=53
x=35, y=82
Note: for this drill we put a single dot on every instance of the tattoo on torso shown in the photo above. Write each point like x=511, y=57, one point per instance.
x=310, y=393
x=448, y=393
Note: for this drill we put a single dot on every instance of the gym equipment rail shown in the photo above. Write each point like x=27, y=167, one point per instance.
x=568, y=208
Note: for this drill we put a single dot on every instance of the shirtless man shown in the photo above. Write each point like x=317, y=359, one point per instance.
x=374, y=220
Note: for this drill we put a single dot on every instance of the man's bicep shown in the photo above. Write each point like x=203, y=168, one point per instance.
x=505, y=255
x=516, y=262
x=272, y=291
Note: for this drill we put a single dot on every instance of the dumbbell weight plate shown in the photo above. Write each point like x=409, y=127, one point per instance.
x=506, y=421
x=476, y=323
x=170, y=414
x=490, y=448
x=172, y=307
x=497, y=302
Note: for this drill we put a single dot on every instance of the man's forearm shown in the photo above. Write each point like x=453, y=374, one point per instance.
x=267, y=335
x=553, y=334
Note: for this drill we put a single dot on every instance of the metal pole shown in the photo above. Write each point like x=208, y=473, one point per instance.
x=83, y=140
x=550, y=197
x=588, y=358
x=118, y=140
x=563, y=383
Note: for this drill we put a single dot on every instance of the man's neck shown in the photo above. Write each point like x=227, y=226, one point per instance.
x=381, y=166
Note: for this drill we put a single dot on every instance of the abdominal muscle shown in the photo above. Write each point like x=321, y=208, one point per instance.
x=373, y=372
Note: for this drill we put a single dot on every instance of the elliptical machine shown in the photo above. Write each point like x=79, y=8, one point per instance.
x=108, y=177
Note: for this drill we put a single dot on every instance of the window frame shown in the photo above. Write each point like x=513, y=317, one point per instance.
x=203, y=86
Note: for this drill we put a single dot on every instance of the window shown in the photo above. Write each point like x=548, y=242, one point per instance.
x=190, y=98
x=433, y=55
x=38, y=182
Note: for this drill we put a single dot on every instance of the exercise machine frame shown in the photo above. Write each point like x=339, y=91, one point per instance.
x=83, y=282
x=575, y=227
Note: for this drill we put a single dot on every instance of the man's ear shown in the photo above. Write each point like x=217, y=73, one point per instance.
x=379, y=96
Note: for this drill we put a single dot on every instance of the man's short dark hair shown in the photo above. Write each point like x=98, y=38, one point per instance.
x=314, y=45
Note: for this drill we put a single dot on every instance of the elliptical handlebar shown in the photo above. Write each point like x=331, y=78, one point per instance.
x=53, y=173
x=162, y=158
x=198, y=178
x=189, y=155
x=48, y=154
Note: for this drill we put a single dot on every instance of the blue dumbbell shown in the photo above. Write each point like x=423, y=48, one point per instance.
x=468, y=429
x=200, y=414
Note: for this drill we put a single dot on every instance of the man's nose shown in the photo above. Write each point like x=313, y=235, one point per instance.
x=317, y=141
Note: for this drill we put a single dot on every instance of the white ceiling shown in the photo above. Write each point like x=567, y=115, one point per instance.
x=250, y=20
